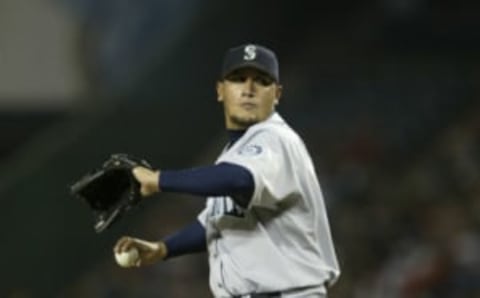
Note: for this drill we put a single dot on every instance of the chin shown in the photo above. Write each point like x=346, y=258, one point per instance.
x=245, y=120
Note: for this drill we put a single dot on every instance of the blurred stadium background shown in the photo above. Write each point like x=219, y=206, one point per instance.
x=385, y=93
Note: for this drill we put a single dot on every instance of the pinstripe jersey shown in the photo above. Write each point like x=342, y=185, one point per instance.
x=281, y=240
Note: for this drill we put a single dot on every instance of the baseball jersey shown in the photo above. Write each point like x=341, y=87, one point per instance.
x=281, y=240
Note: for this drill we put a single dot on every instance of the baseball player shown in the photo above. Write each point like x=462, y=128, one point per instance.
x=264, y=224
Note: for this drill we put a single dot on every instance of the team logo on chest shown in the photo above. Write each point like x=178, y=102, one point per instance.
x=226, y=206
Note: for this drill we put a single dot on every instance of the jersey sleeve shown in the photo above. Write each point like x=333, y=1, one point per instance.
x=266, y=155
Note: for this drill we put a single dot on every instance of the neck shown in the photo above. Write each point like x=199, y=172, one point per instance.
x=231, y=124
x=235, y=134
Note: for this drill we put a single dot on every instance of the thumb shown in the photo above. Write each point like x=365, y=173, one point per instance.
x=145, y=191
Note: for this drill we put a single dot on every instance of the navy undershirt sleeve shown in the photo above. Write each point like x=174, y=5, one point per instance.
x=223, y=179
x=190, y=239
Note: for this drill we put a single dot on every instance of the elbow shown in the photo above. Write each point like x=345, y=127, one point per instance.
x=238, y=183
x=243, y=188
x=244, y=183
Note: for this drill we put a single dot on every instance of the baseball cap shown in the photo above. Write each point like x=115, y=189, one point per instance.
x=251, y=55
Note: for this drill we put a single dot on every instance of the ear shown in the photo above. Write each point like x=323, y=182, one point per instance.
x=220, y=91
x=278, y=94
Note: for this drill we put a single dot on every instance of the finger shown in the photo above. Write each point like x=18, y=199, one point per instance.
x=127, y=244
x=147, y=245
x=120, y=242
x=138, y=263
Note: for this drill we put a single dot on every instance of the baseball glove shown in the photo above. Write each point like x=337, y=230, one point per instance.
x=110, y=190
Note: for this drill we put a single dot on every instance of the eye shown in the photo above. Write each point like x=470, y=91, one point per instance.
x=264, y=80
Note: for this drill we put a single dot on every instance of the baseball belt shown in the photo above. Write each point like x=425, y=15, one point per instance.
x=260, y=295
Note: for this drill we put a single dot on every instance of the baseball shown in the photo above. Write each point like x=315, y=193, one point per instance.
x=127, y=258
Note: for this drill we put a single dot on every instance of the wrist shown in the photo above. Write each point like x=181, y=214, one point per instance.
x=162, y=251
x=157, y=180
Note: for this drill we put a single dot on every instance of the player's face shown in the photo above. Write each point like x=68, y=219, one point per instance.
x=248, y=96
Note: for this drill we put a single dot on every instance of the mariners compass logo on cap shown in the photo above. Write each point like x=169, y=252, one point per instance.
x=250, y=52
x=251, y=55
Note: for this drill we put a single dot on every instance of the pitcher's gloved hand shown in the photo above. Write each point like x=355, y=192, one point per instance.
x=110, y=190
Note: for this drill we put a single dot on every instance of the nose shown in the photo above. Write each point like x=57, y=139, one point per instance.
x=249, y=88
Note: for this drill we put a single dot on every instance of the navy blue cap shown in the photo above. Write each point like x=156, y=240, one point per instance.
x=251, y=55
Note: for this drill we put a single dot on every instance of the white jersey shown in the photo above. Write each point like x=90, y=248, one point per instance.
x=282, y=240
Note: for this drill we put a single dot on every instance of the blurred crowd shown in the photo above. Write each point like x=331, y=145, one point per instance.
x=414, y=231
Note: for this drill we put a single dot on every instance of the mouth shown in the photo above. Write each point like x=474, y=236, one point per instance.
x=248, y=106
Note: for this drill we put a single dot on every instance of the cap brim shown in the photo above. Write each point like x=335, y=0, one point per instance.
x=248, y=64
